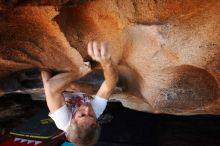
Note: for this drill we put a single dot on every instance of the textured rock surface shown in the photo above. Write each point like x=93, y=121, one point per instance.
x=167, y=51
x=29, y=38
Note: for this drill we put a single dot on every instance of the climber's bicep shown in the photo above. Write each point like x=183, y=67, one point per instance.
x=55, y=101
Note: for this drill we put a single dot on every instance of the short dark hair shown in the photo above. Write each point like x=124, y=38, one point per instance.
x=83, y=136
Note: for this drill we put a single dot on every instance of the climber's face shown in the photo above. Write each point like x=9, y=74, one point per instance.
x=85, y=116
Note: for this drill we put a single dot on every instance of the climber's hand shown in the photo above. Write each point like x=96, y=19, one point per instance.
x=100, y=52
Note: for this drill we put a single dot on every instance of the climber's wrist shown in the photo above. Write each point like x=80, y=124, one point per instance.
x=106, y=63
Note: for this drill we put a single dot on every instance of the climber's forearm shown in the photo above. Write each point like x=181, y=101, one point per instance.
x=110, y=73
x=61, y=81
x=111, y=77
x=101, y=52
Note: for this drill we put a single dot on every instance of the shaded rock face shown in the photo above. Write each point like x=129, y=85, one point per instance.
x=167, y=51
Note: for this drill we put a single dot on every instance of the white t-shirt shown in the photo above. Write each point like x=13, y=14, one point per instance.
x=62, y=116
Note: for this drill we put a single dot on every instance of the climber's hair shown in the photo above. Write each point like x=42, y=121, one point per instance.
x=83, y=136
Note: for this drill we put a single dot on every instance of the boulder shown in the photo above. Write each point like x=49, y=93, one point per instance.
x=167, y=51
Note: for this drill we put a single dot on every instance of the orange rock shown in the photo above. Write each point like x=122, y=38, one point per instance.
x=167, y=51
